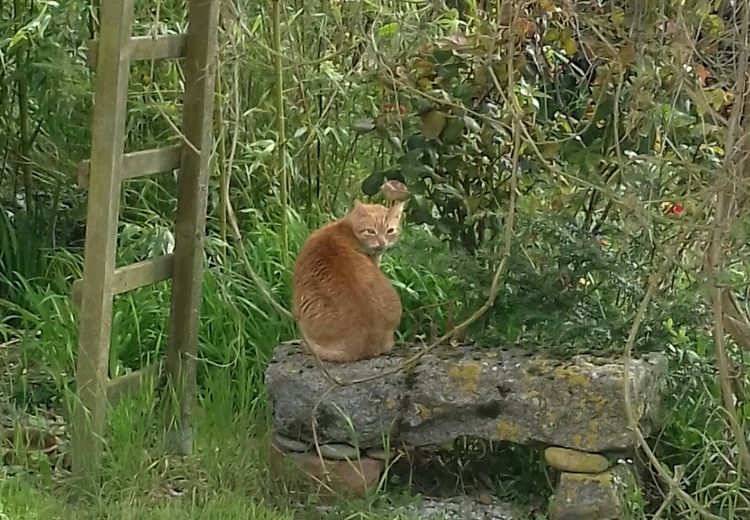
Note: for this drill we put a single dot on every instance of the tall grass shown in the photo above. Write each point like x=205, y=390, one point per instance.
x=334, y=56
x=239, y=330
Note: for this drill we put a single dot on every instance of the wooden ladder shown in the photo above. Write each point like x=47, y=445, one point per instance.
x=111, y=56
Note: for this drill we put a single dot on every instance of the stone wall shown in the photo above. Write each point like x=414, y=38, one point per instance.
x=491, y=394
x=343, y=435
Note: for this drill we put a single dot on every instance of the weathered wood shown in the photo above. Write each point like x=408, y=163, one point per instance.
x=200, y=69
x=133, y=276
x=108, y=137
x=169, y=46
x=139, y=164
x=143, y=273
x=132, y=383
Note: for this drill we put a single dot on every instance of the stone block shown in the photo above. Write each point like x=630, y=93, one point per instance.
x=488, y=393
x=328, y=477
x=601, y=496
x=510, y=396
x=301, y=395
x=574, y=461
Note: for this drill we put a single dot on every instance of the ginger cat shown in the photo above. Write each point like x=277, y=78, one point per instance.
x=345, y=307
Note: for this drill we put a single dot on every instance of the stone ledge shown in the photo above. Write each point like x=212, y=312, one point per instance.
x=488, y=393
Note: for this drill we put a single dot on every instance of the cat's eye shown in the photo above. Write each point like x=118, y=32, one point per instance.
x=370, y=231
x=390, y=231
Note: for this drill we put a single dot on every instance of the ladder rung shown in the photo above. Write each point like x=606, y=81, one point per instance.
x=131, y=383
x=139, y=164
x=134, y=276
x=147, y=48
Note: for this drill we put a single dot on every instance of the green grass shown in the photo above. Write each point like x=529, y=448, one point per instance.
x=228, y=476
x=225, y=479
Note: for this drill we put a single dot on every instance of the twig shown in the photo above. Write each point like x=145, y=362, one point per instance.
x=172, y=124
x=257, y=280
x=663, y=472
x=715, y=251
x=228, y=213
x=678, y=474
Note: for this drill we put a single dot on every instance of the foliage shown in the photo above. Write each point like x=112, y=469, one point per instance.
x=619, y=112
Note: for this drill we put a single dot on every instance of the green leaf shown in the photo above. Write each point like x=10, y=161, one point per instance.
x=448, y=72
x=453, y=131
x=441, y=55
x=418, y=212
x=551, y=35
x=388, y=29
x=472, y=124
x=746, y=411
x=395, y=142
x=364, y=125
x=433, y=123
x=371, y=185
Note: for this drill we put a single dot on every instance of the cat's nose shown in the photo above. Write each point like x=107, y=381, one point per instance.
x=381, y=243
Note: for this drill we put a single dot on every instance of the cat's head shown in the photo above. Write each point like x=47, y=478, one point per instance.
x=376, y=227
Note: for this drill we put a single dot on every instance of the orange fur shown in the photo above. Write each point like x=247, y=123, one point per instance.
x=345, y=307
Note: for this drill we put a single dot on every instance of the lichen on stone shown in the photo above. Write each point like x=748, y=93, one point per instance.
x=506, y=395
x=507, y=430
x=467, y=375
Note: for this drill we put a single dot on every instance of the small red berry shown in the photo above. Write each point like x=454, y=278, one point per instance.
x=677, y=209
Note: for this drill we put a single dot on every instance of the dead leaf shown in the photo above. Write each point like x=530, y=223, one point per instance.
x=456, y=41
x=526, y=27
x=394, y=190
x=627, y=55
x=703, y=74
x=671, y=27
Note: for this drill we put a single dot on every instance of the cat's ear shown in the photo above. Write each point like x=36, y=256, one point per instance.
x=356, y=204
x=396, y=211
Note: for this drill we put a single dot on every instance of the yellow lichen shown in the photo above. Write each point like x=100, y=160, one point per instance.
x=467, y=376
x=424, y=412
x=592, y=433
x=573, y=374
x=603, y=478
x=507, y=430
